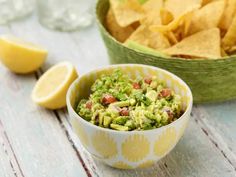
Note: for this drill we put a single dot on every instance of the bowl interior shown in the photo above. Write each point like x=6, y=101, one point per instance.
x=83, y=84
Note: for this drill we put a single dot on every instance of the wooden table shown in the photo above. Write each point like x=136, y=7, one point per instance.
x=35, y=142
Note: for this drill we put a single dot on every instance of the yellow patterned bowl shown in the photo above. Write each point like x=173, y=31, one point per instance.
x=134, y=149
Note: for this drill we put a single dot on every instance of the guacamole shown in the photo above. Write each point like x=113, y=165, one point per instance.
x=120, y=103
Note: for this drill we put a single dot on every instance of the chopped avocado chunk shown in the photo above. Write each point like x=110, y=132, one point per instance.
x=119, y=127
x=121, y=120
x=152, y=95
x=121, y=103
x=106, y=121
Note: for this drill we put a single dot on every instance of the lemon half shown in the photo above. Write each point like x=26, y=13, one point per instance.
x=20, y=56
x=50, y=90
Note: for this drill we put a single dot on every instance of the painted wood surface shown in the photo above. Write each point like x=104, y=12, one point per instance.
x=35, y=134
x=218, y=121
x=8, y=164
x=187, y=159
x=41, y=142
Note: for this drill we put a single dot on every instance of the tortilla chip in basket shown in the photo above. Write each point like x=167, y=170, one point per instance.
x=118, y=32
x=145, y=37
x=207, y=17
x=187, y=24
x=180, y=7
x=197, y=46
x=173, y=25
x=229, y=39
x=166, y=16
x=204, y=2
x=127, y=11
x=171, y=37
x=152, y=5
x=232, y=50
x=223, y=53
x=152, y=12
x=136, y=46
x=228, y=15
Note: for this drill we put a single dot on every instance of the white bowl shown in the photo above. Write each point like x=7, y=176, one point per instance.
x=132, y=149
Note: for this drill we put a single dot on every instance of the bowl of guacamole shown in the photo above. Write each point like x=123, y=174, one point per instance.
x=120, y=103
x=129, y=115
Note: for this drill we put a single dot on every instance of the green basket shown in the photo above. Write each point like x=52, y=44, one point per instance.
x=210, y=80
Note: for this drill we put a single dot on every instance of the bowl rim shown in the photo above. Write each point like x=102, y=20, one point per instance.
x=98, y=20
x=73, y=84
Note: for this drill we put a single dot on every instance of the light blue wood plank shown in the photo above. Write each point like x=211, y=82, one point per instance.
x=62, y=46
x=194, y=156
x=36, y=136
x=85, y=155
x=223, y=118
x=7, y=162
x=219, y=120
x=5, y=166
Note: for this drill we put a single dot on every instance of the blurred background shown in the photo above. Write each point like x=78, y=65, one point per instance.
x=63, y=15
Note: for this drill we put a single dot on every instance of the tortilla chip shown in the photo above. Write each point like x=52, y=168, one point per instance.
x=152, y=9
x=145, y=37
x=182, y=30
x=207, y=17
x=223, y=53
x=118, y=32
x=197, y=45
x=152, y=18
x=187, y=24
x=166, y=16
x=204, y=2
x=232, y=49
x=173, y=25
x=179, y=32
x=229, y=39
x=151, y=5
x=172, y=37
x=127, y=11
x=228, y=15
x=143, y=49
x=180, y=7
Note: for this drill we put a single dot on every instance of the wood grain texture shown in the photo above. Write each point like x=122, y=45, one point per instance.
x=8, y=163
x=36, y=137
x=88, y=161
x=62, y=46
x=218, y=122
x=6, y=169
x=9, y=166
x=194, y=156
